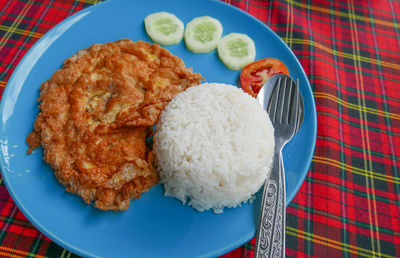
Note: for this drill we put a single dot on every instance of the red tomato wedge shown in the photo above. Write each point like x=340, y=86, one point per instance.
x=256, y=74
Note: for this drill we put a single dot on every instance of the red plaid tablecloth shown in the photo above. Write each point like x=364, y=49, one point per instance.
x=349, y=203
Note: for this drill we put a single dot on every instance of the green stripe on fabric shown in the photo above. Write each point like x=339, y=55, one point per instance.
x=356, y=57
x=347, y=88
x=385, y=102
x=351, y=15
x=355, y=148
x=357, y=125
x=27, y=33
x=323, y=21
x=356, y=170
x=308, y=223
x=248, y=246
x=344, y=26
x=15, y=23
x=352, y=191
x=8, y=220
x=72, y=9
x=339, y=218
x=364, y=129
x=343, y=175
x=341, y=68
x=8, y=66
x=35, y=245
x=394, y=15
x=300, y=42
x=363, y=108
x=335, y=244
x=13, y=28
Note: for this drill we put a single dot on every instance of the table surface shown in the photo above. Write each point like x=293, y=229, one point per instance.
x=349, y=203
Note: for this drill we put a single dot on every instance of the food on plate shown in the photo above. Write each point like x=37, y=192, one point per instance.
x=164, y=28
x=236, y=50
x=202, y=34
x=213, y=146
x=96, y=112
x=256, y=74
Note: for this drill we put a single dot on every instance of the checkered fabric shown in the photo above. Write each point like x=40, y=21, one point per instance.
x=349, y=203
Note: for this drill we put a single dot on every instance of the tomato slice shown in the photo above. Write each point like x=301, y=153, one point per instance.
x=256, y=74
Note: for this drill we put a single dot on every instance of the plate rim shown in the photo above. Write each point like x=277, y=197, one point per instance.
x=9, y=87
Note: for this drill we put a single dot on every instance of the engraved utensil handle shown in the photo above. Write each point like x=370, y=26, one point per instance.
x=271, y=231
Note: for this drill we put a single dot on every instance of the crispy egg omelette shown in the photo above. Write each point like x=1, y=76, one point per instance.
x=96, y=113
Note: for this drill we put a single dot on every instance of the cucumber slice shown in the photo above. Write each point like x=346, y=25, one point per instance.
x=236, y=50
x=202, y=34
x=164, y=28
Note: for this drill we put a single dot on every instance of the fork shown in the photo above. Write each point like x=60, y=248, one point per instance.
x=283, y=110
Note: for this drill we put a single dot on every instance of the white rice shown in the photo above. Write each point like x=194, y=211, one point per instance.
x=214, y=147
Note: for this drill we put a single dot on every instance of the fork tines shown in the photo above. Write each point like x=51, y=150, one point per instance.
x=283, y=106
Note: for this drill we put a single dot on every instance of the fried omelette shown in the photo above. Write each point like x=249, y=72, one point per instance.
x=96, y=112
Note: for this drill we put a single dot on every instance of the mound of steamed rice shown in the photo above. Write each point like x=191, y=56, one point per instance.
x=214, y=147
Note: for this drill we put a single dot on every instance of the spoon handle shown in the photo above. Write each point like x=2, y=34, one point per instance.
x=271, y=231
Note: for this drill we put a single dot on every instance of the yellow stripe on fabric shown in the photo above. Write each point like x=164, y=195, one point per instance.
x=23, y=253
x=15, y=24
x=21, y=32
x=92, y=1
x=327, y=244
x=369, y=181
x=3, y=84
x=342, y=54
x=291, y=16
x=63, y=253
x=288, y=24
x=342, y=14
x=292, y=22
x=355, y=170
x=333, y=243
x=357, y=107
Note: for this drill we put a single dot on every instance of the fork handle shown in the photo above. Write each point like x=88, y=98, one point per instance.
x=270, y=235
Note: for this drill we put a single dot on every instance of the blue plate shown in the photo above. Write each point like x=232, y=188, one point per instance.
x=154, y=225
